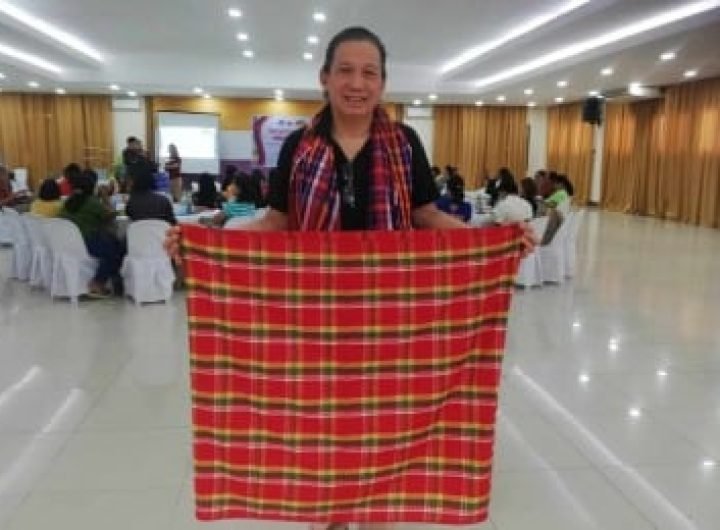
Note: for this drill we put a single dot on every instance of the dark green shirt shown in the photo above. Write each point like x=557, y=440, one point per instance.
x=89, y=218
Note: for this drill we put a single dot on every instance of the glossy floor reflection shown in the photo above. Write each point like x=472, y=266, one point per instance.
x=610, y=411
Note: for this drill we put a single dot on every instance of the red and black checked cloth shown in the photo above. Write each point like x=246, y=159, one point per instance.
x=347, y=376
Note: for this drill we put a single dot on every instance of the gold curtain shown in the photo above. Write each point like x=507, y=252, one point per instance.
x=570, y=145
x=480, y=140
x=662, y=158
x=46, y=132
x=630, y=181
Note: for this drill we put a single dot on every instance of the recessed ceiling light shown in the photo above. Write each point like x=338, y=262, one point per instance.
x=234, y=12
x=242, y=37
x=531, y=104
x=34, y=84
x=28, y=58
x=560, y=100
x=2, y=76
x=47, y=29
x=584, y=378
x=60, y=91
x=319, y=16
x=562, y=84
x=607, y=71
x=512, y=34
x=667, y=56
x=308, y=56
x=198, y=90
x=432, y=97
x=708, y=463
x=594, y=93
x=132, y=93
x=662, y=373
x=207, y=96
x=690, y=73
x=529, y=91
x=662, y=19
x=313, y=39
x=479, y=103
x=634, y=412
x=114, y=88
x=417, y=102
x=248, y=54
x=278, y=92
x=501, y=98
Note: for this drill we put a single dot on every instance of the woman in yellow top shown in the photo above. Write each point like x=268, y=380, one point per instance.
x=48, y=203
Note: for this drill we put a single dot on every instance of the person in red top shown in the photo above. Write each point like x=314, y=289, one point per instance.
x=69, y=173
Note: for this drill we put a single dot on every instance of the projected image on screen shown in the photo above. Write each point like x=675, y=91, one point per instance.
x=196, y=136
x=192, y=142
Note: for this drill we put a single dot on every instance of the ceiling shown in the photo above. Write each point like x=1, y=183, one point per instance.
x=172, y=46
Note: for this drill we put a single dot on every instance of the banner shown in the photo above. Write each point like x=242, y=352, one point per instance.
x=269, y=133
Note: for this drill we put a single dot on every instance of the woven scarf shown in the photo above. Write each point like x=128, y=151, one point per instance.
x=346, y=376
x=314, y=198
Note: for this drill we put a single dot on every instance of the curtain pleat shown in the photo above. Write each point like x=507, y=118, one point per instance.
x=46, y=132
x=480, y=140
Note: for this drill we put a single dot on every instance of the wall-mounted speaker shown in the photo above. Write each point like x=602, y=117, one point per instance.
x=593, y=111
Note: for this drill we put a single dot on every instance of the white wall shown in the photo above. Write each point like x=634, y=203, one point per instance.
x=126, y=124
x=424, y=127
x=537, y=120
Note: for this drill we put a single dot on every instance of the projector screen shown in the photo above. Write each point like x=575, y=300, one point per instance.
x=196, y=137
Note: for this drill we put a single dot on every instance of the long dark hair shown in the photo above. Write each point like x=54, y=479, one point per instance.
x=354, y=34
x=207, y=192
x=83, y=186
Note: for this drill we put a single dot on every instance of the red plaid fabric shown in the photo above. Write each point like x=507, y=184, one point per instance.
x=346, y=376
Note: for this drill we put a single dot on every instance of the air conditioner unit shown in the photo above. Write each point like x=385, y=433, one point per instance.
x=419, y=112
x=126, y=104
x=633, y=93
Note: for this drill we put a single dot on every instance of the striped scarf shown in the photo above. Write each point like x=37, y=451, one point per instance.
x=315, y=201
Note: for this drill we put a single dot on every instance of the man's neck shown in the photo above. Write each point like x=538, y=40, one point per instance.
x=351, y=127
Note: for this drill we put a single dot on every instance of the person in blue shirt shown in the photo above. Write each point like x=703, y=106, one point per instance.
x=453, y=202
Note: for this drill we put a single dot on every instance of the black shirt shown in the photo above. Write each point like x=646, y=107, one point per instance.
x=352, y=216
x=149, y=205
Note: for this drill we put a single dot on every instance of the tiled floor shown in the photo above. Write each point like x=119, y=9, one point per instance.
x=610, y=412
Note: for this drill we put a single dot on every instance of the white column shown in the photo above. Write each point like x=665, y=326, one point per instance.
x=598, y=144
x=537, y=121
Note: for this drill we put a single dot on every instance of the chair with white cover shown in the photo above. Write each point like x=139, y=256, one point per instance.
x=530, y=271
x=571, y=243
x=552, y=255
x=20, y=264
x=72, y=267
x=147, y=271
x=6, y=227
x=41, y=255
x=235, y=223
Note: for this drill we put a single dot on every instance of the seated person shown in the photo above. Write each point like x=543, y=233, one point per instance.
x=559, y=199
x=510, y=208
x=529, y=192
x=7, y=197
x=242, y=204
x=228, y=188
x=206, y=198
x=144, y=203
x=69, y=173
x=94, y=220
x=48, y=202
x=453, y=202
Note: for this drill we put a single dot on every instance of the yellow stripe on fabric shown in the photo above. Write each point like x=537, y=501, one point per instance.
x=254, y=366
x=403, y=329
x=477, y=252
x=296, y=295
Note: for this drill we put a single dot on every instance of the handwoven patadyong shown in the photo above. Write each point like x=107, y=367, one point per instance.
x=346, y=376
